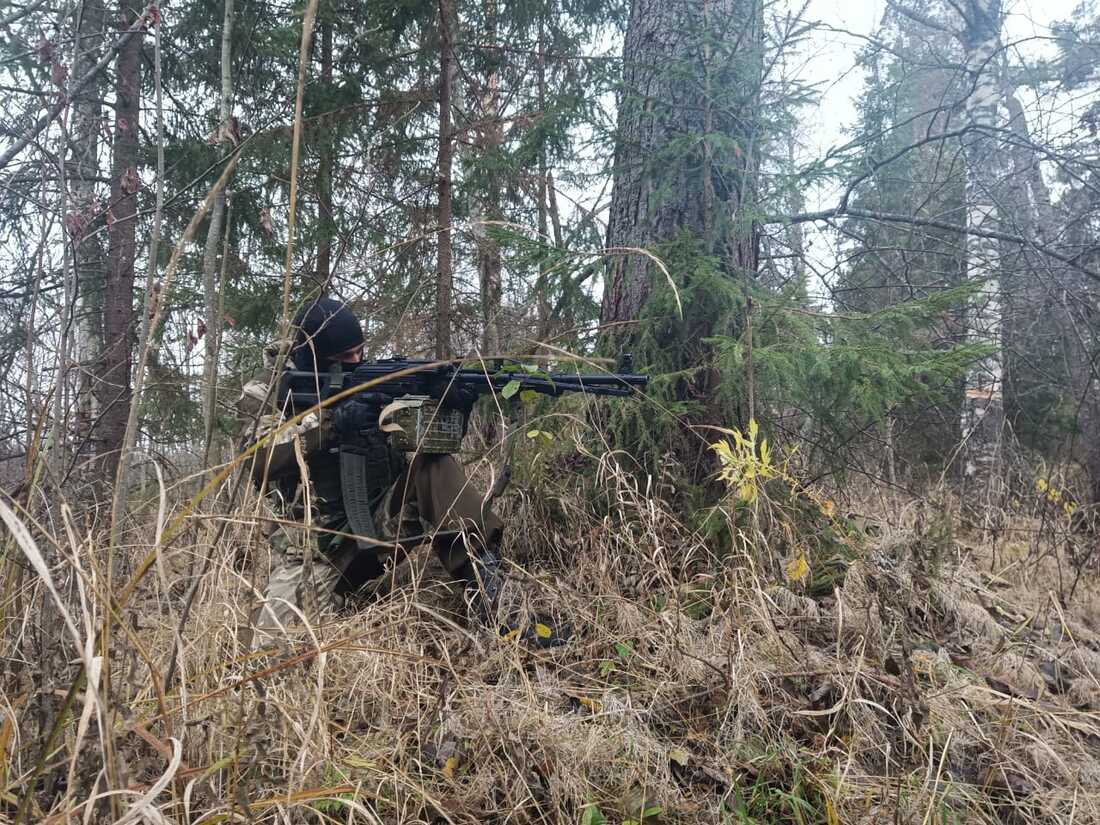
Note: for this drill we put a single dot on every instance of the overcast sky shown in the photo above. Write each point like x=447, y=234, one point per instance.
x=831, y=61
x=833, y=55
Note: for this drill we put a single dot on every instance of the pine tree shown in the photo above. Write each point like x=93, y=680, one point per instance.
x=685, y=188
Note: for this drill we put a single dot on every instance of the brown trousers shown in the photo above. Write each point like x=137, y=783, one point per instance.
x=431, y=499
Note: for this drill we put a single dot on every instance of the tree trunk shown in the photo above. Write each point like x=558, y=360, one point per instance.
x=490, y=139
x=659, y=192
x=115, y=363
x=444, y=266
x=325, y=224
x=542, y=287
x=87, y=255
x=983, y=406
x=683, y=189
x=213, y=240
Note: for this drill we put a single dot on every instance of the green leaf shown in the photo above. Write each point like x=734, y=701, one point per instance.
x=528, y=396
x=510, y=389
x=591, y=815
x=624, y=649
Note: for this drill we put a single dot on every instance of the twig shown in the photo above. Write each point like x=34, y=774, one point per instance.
x=895, y=217
x=64, y=99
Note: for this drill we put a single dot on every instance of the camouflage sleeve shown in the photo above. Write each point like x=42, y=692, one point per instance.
x=258, y=420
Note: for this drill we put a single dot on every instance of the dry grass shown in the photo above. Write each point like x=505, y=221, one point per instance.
x=933, y=683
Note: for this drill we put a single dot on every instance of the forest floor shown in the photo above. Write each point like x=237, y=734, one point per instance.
x=907, y=672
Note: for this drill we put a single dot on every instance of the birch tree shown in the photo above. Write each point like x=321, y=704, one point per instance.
x=226, y=137
x=979, y=33
x=85, y=212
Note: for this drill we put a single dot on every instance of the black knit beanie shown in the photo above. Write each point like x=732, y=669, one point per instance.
x=323, y=330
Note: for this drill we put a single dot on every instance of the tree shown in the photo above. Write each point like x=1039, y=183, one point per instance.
x=116, y=361
x=902, y=166
x=85, y=212
x=979, y=32
x=683, y=158
x=684, y=186
x=444, y=274
x=227, y=137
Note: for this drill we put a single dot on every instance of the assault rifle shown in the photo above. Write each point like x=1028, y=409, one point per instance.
x=430, y=402
x=413, y=377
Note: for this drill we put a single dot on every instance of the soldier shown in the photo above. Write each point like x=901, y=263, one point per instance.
x=316, y=562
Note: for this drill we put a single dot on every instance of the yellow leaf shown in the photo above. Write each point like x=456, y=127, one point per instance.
x=450, y=766
x=828, y=507
x=543, y=631
x=592, y=704
x=511, y=635
x=680, y=756
x=725, y=455
x=798, y=569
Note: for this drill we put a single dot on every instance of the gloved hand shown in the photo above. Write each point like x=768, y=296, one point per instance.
x=459, y=397
x=359, y=414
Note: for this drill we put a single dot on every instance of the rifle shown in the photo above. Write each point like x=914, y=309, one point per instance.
x=416, y=389
x=421, y=378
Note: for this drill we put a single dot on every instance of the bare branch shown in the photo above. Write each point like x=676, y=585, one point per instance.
x=48, y=118
x=894, y=217
x=921, y=18
x=23, y=12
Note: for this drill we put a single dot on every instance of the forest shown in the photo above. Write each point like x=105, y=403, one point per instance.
x=833, y=561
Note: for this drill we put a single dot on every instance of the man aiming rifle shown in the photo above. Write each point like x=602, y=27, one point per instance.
x=364, y=494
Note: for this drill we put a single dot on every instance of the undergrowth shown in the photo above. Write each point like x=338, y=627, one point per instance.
x=770, y=659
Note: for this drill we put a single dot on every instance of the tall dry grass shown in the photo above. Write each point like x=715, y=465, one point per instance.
x=930, y=677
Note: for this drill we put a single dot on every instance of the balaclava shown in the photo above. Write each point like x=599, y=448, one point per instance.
x=322, y=330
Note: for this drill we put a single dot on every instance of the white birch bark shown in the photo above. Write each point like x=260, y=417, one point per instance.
x=83, y=170
x=213, y=238
x=983, y=409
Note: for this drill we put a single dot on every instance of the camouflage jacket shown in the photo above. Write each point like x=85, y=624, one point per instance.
x=259, y=416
